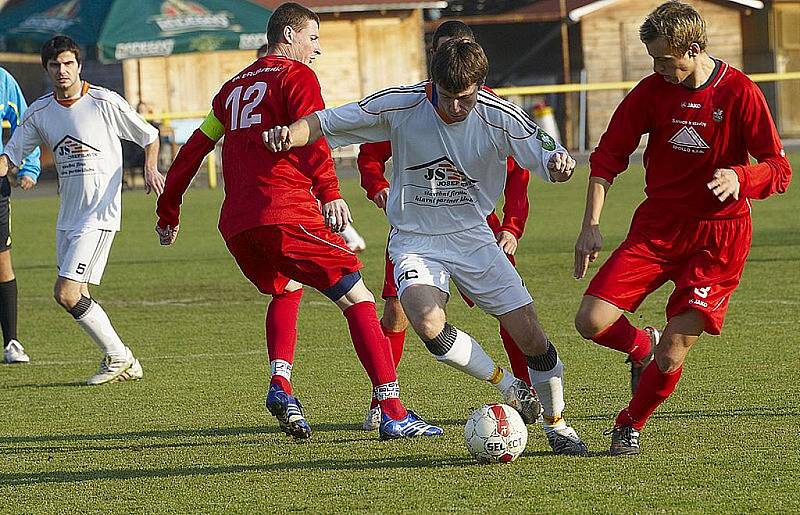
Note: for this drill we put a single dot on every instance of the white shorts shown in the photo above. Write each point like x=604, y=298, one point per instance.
x=471, y=258
x=81, y=254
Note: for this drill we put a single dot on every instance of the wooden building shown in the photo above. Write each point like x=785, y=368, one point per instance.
x=603, y=41
x=772, y=44
x=366, y=46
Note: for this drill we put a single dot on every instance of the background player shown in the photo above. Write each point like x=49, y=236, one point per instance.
x=82, y=124
x=271, y=220
x=450, y=142
x=12, y=107
x=372, y=160
x=694, y=226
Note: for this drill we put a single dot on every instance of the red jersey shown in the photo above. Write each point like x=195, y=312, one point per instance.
x=372, y=158
x=261, y=187
x=693, y=132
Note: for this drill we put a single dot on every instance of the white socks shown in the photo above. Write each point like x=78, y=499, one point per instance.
x=98, y=326
x=549, y=387
x=467, y=355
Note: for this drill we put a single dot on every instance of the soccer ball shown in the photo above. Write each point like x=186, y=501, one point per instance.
x=495, y=433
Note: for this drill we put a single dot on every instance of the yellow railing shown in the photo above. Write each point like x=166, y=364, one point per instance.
x=165, y=118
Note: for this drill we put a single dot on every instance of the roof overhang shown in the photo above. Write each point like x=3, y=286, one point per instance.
x=576, y=14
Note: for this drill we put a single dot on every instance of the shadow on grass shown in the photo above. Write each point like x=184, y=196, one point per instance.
x=410, y=462
x=755, y=411
x=71, y=384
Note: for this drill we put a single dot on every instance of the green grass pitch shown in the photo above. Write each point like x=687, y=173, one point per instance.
x=194, y=435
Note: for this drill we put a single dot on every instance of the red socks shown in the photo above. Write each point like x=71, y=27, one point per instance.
x=373, y=350
x=396, y=341
x=654, y=388
x=519, y=363
x=281, y=325
x=624, y=337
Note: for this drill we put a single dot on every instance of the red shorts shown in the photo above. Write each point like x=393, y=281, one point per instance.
x=390, y=288
x=270, y=255
x=703, y=258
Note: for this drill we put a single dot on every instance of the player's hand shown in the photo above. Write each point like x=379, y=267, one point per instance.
x=560, y=167
x=153, y=181
x=507, y=242
x=337, y=215
x=381, y=197
x=4, y=165
x=588, y=246
x=277, y=139
x=168, y=234
x=26, y=183
x=724, y=184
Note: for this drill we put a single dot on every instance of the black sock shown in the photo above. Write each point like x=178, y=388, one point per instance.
x=8, y=310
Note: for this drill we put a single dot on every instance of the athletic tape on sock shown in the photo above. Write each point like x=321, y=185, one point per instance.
x=443, y=342
x=386, y=391
x=546, y=361
x=80, y=309
x=281, y=368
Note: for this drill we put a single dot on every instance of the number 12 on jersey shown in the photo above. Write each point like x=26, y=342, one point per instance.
x=251, y=98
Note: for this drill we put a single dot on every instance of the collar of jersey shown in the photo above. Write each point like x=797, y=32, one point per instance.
x=70, y=101
x=433, y=98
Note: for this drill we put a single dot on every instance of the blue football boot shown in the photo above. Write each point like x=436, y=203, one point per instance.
x=289, y=412
x=408, y=427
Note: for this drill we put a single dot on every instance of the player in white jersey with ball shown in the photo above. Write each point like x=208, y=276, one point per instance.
x=82, y=124
x=450, y=141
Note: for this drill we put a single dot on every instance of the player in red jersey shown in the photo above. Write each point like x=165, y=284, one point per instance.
x=270, y=218
x=704, y=119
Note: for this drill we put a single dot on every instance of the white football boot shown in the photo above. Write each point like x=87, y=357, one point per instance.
x=520, y=397
x=114, y=370
x=14, y=353
x=373, y=419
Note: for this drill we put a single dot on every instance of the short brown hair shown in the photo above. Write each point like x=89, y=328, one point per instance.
x=451, y=29
x=57, y=45
x=678, y=23
x=291, y=15
x=458, y=64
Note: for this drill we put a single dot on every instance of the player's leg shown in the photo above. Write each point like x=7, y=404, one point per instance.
x=546, y=372
x=281, y=333
x=706, y=276
x=393, y=325
x=82, y=257
x=605, y=324
x=13, y=352
x=658, y=380
x=424, y=306
x=319, y=258
x=636, y=268
x=519, y=363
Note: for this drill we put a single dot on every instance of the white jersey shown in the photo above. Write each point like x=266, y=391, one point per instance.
x=446, y=177
x=85, y=140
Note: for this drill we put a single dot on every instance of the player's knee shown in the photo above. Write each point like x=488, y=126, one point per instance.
x=668, y=363
x=671, y=352
x=429, y=328
x=66, y=298
x=588, y=323
x=394, y=318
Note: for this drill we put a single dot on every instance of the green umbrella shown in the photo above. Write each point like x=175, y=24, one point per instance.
x=113, y=30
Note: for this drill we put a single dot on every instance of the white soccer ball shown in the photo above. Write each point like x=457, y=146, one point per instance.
x=495, y=433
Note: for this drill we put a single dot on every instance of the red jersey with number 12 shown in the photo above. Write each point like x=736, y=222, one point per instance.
x=261, y=187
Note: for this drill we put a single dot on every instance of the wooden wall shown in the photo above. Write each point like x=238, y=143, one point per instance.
x=786, y=26
x=359, y=55
x=613, y=52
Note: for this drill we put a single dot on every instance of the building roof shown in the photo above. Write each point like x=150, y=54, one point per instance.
x=343, y=6
x=549, y=11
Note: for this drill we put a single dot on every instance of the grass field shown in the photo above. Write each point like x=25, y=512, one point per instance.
x=194, y=435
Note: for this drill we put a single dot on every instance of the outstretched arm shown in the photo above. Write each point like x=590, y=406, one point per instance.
x=299, y=134
x=590, y=241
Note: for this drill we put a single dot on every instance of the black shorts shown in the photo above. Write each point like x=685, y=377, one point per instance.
x=5, y=217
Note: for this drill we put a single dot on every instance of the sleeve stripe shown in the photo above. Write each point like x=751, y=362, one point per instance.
x=212, y=127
